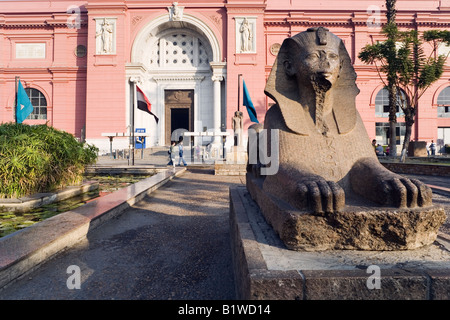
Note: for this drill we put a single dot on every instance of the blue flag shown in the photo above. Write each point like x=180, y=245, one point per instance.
x=23, y=106
x=249, y=104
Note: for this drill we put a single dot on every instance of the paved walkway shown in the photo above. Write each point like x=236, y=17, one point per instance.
x=174, y=244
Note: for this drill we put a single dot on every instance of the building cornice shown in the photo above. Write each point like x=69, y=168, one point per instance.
x=245, y=8
x=48, y=70
x=348, y=18
x=106, y=8
x=67, y=69
x=55, y=20
x=170, y=78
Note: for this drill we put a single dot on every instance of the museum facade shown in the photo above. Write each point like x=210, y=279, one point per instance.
x=80, y=62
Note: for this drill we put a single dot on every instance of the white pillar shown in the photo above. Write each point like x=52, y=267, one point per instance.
x=217, y=107
x=218, y=73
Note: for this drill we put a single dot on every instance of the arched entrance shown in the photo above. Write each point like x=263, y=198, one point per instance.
x=382, y=116
x=176, y=64
x=443, y=111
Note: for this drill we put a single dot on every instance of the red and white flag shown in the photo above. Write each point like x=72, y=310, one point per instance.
x=143, y=103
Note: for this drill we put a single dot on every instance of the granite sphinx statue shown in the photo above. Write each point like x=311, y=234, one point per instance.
x=330, y=191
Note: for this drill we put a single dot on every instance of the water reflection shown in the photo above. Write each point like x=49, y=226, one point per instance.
x=13, y=221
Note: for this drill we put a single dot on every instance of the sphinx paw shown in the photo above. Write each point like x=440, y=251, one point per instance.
x=407, y=193
x=321, y=196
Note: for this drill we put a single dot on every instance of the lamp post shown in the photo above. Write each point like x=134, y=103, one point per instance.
x=239, y=92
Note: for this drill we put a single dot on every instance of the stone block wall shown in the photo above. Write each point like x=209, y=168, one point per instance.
x=426, y=169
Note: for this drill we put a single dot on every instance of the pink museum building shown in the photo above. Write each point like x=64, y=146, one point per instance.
x=79, y=62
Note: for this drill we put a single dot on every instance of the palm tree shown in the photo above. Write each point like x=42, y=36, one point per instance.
x=391, y=31
x=406, y=68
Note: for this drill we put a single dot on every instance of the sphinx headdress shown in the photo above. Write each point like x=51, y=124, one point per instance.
x=284, y=90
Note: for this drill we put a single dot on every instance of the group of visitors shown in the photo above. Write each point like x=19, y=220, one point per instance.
x=379, y=150
x=180, y=153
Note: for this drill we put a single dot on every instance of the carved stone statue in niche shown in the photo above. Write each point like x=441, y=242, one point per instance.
x=328, y=171
x=246, y=36
x=106, y=36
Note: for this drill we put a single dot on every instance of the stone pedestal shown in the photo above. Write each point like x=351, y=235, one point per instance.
x=235, y=163
x=237, y=155
x=265, y=269
x=222, y=168
x=417, y=149
x=359, y=226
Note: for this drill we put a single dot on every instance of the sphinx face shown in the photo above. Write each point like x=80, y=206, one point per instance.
x=318, y=64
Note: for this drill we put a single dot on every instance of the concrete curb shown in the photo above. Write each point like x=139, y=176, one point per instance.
x=440, y=190
x=123, y=169
x=24, y=204
x=24, y=250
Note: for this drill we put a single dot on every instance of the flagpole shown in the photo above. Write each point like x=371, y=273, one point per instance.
x=17, y=79
x=239, y=91
x=132, y=122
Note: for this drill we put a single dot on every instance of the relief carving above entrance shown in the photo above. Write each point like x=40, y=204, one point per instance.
x=178, y=96
x=179, y=112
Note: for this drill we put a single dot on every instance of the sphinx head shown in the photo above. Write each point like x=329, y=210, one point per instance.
x=313, y=58
x=313, y=64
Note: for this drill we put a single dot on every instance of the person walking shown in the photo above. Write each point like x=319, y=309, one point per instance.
x=171, y=154
x=180, y=152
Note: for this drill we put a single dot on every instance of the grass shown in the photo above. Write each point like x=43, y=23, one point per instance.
x=439, y=161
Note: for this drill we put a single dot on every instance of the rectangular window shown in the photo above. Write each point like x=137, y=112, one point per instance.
x=382, y=132
x=443, y=111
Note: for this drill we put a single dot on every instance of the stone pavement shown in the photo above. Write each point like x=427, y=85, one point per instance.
x=174, y=244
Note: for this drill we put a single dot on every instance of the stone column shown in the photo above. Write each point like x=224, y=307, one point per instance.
x=218, y=75
x=217, y=107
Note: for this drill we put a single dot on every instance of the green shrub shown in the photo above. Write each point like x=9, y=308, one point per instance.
x=40, y=158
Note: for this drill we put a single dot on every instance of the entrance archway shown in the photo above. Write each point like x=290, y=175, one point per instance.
x=178, y=56
x=162, y=23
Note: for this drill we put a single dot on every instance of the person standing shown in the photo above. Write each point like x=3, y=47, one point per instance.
x=180, y=152
x=433, y=148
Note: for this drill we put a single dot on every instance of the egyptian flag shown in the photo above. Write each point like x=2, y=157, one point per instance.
x=143, y=103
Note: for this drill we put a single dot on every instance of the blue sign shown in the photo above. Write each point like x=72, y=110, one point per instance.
x=140, y=141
